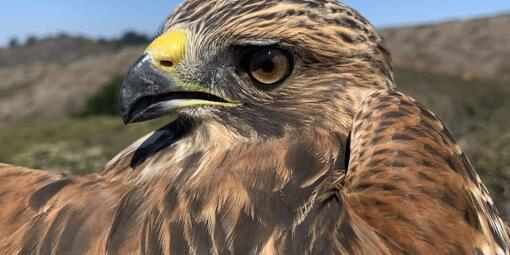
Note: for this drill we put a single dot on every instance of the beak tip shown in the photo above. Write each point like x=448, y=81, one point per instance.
x=126, y=117
x=126, y=122
x=124, y=113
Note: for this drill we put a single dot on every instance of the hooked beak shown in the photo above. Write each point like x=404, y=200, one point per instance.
x=150, y=90
x=146, y=93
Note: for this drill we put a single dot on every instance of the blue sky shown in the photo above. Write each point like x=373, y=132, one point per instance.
x=107, y=18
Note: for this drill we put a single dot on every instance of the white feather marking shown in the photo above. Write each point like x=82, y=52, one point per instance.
x=458, y=149
x=128, y=150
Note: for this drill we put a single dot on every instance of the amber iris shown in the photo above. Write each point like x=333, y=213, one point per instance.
x=269, y=66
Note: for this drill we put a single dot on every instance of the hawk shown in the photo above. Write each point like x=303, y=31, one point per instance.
x=286, y=135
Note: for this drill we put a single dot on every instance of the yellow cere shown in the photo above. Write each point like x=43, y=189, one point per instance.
x=168, y=49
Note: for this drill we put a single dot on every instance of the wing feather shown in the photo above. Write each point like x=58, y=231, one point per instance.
x=409, y=179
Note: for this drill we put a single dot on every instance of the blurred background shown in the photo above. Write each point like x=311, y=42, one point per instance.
x=61, y=63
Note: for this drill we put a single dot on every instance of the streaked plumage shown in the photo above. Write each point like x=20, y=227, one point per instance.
x=331, y=160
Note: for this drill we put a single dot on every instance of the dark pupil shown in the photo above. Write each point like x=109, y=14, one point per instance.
x=267, y=64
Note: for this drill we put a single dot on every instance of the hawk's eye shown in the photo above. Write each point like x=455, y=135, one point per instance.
x=269, y=66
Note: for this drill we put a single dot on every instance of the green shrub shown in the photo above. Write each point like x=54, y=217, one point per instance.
x=104, y=102
x=13, y=42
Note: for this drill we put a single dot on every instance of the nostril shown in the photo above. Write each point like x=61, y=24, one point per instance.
x=166, y=63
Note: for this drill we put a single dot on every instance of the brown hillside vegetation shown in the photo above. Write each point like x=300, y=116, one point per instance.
x=470, y=48
x=58, y=50
x=53, y=78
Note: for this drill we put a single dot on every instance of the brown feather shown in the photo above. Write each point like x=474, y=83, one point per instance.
x=333, y=161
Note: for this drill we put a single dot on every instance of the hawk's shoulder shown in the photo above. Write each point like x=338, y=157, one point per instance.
x=408, y=178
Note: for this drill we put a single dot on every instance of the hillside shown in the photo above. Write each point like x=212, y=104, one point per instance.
x=57, y=50
x=52, y=79
x=469, y=48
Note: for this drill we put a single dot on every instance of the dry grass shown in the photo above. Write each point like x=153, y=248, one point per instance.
x=53, y=91
x=472, y=48
x=77, y=146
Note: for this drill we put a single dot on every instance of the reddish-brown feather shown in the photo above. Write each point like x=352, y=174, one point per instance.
x=408, y=180
x=332, y=162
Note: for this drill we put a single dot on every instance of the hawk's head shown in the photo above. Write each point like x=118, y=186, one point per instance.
x=258, y=67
